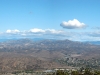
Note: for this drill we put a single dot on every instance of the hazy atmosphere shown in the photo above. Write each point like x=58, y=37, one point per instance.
x=50, y=37
x=76, y=20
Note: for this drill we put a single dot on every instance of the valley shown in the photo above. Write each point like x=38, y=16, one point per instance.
x=27, y=54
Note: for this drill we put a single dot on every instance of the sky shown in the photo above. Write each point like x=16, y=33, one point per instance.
x=77, y=20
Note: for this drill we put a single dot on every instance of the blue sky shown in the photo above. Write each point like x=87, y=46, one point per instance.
x=61, y=19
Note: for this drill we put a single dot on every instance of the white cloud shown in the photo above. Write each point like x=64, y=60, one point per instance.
x=94, y=34
x=45, y=31
x=12, y=31
x=36, y=30
x=72, y=24
x=53, y=31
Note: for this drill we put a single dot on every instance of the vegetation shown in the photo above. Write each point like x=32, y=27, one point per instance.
x=81, y=71
x=27, y=55
x=75, y=62
x=85, y=72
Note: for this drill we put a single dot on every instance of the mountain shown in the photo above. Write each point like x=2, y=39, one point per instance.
x=94, y=42
x=34, y=39
x=3, y=40
x=27, y=54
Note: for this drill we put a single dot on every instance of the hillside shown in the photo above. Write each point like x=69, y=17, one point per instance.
x=25, y=54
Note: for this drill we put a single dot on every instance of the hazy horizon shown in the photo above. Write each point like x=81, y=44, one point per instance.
x=76, y=20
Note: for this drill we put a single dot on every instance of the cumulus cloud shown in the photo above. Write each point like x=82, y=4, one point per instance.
x=12, y=31
x=37, y=30
x=52, y=33
x=72, y=24
x=45, y=31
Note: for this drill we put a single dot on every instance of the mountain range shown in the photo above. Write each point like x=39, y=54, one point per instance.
x=27, y=54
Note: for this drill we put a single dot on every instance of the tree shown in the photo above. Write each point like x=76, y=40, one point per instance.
x=74, y=73
x=88, y=72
